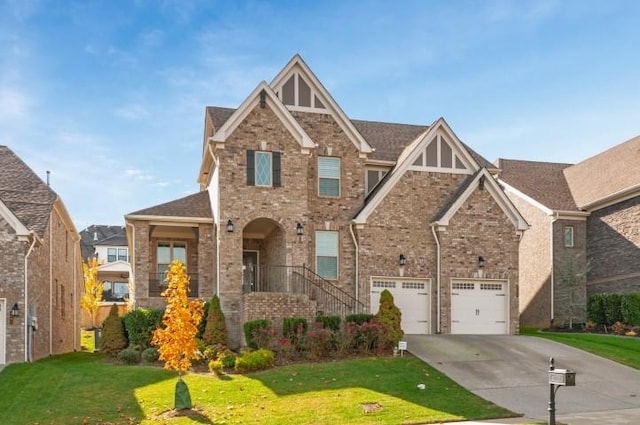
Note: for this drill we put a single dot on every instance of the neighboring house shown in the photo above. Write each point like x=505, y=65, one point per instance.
x=40, y=263
x=109, y=245
x=585, y=223
x=305, y=211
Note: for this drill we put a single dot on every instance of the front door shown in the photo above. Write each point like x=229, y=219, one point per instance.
x=249, y=270
x=3, y=330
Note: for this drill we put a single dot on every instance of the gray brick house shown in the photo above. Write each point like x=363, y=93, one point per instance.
x=587, y=213
x=40, y=267
x=303, y=210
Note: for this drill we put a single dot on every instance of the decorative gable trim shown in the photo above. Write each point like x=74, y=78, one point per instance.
x=485, y=179
x=20, y=229
x=321, y=100
x=409, y=156
x=263, y=95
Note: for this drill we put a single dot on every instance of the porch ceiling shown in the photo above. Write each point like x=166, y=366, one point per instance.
x=259, y=229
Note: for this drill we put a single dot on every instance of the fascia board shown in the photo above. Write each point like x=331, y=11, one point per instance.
x=13, y=221
x=168, y=220
x=612, y=199
x=526, y=198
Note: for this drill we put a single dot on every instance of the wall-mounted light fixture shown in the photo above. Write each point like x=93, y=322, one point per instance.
x=229, y=226
x=481, y=262
x=299, y=229
x=402, y=261
x=13, y=313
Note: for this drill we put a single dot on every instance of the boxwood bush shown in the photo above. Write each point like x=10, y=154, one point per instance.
x=250, y=328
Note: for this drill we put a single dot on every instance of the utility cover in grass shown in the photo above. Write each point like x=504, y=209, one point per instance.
x=371, y=407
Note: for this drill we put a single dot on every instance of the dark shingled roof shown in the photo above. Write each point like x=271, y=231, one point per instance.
x=542, y=181
x=196, y=205
x=464, y=184
x=388, y=139
x=24, y=193
x=98, y=234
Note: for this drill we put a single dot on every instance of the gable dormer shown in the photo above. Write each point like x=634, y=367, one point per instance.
x=440, y=155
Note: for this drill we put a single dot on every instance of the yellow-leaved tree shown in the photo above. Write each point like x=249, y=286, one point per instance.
x=176, y=341
x=93, y=288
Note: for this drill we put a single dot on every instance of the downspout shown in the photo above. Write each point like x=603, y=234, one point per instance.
x=217, y=224
x=27, y=328
x=355, y=242
x=75, y=296
x=132, y=280
x=435, y=236
x=51, y=283
x=553, y=271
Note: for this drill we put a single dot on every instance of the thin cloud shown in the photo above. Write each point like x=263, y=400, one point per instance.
x=133, y=112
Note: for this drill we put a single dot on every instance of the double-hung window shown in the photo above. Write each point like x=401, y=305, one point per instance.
x=169, y=252
x=263, y=168
x=328, y=176
x=111, y=254
x=327, y=255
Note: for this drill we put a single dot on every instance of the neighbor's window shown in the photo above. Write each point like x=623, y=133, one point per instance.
x=169, y=252
x=263, y=168
x=123, y=254
x=327, y=254
x=568, y=236
x=115, y=291
x=112, y=254
x=328, y=176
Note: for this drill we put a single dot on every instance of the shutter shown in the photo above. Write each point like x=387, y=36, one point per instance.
x=275, y=164
x=251, y=168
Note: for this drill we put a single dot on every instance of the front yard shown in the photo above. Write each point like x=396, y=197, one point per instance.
x=83, y=388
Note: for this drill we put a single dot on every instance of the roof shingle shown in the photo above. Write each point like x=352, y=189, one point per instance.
x=196, y=206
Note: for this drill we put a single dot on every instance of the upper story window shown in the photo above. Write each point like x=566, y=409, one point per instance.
x=328, y=176
x=373, y=176
x=568, y=236
x=167, y=253
x=263, y=168
x=327, y=254
x=117, y=254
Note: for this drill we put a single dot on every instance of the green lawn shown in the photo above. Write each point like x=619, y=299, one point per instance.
x=622, y=349
x=83, y=388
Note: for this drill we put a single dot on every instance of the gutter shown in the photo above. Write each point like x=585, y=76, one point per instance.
x=132, y=280
x=217, y=224
x=553, y=269
x=27, y=328
x=355, y=242
x=435, y=236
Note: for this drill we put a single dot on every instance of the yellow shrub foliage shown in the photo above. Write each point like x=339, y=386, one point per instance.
x=176, y=342
x=92, y=288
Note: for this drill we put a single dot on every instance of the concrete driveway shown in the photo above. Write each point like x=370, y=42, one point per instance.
x=512, y=371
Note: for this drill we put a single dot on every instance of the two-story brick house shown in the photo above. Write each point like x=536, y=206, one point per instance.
x=585, y=231
x=303, y=210
x=40, y=267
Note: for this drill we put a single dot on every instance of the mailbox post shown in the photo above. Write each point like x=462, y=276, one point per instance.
x=558, y=378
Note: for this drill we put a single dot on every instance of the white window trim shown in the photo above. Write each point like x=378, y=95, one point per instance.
x=383, y=170
x=339, y=177
x=564, y=237
x=337, y=233
x=255, y=168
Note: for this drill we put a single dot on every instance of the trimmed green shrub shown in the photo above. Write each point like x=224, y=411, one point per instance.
x=215, y=366
x=358, y=318
x=612, y=308
x=630, y=309
x=140, y=324
x=203, y=323
x=255, y=360
x=390, y=318
x=129, y=356
x=294, y=327
x=150, y=354
x=595, y=309
x=215, y=331
x=113, y=337
x=250, y=327
x=329, y=322
x=227, y=357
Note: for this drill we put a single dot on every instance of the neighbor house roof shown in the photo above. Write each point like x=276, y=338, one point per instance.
x=387, y=139
x=542, y=181
x=197, y=205
x=99, y=234
x=24, y=193
x=609, y=175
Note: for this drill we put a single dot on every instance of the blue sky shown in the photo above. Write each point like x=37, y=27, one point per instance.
x=110, y=95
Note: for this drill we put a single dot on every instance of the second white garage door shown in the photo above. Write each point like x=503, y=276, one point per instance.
x=479, y=307
x=411, y=296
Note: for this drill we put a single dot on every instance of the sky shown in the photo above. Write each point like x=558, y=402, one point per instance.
x=109, y=96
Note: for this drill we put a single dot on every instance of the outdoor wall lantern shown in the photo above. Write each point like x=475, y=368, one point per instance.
x=481, y=262
x=229, y=226
x=402, y=261
x=299, y=229
x=15, y=312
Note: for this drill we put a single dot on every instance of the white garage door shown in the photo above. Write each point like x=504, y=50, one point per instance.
x=479, y=307
x=411, y=296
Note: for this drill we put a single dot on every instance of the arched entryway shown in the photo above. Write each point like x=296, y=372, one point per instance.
x=264, y=256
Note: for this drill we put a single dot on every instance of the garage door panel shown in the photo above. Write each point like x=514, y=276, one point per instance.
x=479, y=307
x=411, y=296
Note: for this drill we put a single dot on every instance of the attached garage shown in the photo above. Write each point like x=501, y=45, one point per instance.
x=479, y=307
x=411, y=296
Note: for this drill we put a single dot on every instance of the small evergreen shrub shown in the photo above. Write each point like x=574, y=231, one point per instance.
x=215, y=331
x=140, y=324
x=215, y=366
x=630, y=309
x=255, y=360
x=329, y=322
x=227, y=358
x=294, y=327
x=150, y=354
x=595, y=309
x=113, y=337
x=359, y=318
x=129, y=356
x=389, y=317
x=612, y=308
x=250, y=327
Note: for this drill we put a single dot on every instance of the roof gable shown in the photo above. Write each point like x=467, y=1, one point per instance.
x=609, y=177
x=441, y=133
x=299, y=89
